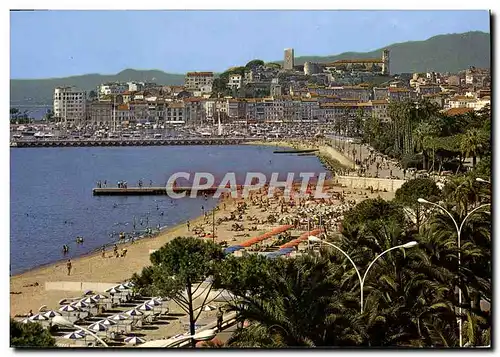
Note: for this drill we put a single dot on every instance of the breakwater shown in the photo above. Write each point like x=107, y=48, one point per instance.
x=132, y=142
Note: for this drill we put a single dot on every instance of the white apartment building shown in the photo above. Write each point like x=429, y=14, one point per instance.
x=112, y=89
x=235, y=81
x=135, y=86
x=69, y=104
x=174, y=113
x=195, y=80
x=460, y=101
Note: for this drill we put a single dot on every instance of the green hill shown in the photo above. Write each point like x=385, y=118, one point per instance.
x=40, y=91
x=442, y=53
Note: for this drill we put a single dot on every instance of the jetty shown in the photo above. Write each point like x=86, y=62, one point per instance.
x=40, y=143
x=147, y=191
x=305, y=151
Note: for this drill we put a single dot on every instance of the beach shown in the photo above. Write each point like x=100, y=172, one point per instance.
x=94, y=268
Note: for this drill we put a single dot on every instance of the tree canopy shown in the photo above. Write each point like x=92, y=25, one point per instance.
x=179, y=270
x=29, y=335
x=254, y=63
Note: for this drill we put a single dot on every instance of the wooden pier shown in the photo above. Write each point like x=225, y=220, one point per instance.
x=146, y=191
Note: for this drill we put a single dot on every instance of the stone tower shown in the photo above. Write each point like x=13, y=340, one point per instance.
x=289, y=59
x=386, y=71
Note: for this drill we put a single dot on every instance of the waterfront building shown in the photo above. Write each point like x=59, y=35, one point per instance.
x=194, y=111
x=69, y=104
x=174, y=113
x=100, y=113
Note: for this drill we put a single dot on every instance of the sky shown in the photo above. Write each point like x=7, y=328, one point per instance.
x=47, y=44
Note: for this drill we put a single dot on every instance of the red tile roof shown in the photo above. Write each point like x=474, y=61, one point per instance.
x=458, y=111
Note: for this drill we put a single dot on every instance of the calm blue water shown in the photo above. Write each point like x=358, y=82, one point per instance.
x=52, y=202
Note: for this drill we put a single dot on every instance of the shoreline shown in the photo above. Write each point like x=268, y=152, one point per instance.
x=163, y=231
x=333, y=157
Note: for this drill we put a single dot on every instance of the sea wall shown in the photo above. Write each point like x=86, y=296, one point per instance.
x=379, y=184
x=77, y=286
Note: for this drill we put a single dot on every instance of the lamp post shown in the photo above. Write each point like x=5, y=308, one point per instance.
x=459, y=231
x=61, y=321
x=362, y=280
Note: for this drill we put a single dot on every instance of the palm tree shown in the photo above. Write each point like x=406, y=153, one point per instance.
x=471, y=144
x=303, y=306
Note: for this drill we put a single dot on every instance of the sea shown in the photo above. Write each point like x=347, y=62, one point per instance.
x=51, y=201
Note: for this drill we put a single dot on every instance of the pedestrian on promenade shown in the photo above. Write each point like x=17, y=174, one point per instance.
x=105, y=183
x=220, y=318
x=150, y=183
x=69, y=266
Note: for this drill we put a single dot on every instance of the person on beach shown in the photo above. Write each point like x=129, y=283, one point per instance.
x=115, y=251
x=220, y=318
x=103, y=251
x=30, y=313
x=69, y=266
x=187, y=225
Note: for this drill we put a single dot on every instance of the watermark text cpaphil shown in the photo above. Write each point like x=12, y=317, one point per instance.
x=305, y=184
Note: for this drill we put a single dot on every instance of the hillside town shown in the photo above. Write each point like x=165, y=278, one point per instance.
x=257, y=93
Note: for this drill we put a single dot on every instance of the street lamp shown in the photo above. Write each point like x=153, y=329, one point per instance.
x=61, y=321
x=459, y=231
x=362, y=280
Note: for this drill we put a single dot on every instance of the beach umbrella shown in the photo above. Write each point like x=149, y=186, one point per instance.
x=89, y=300
x=99, y=297
x=88, y=292
x=51, y=314
x=122, y=287
x=27, y=321
x=134, y=312
x=153, y=302
x=134, y=340
x=119, y=317
x=209, y=308
x=113, y=290
x=129, y=284
x=79, y=304
x=75, y=335
x=68, y=308
x=107, y=322
x=98, y=327
x=38, y=317
x=146, y=307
